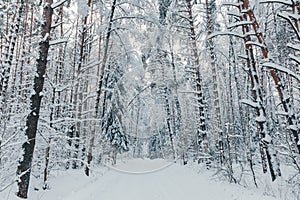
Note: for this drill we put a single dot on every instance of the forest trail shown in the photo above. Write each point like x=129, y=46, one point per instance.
x=161, y=181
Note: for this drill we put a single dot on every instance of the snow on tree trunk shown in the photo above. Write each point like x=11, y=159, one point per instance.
x=257, y=94
x=6, y=63
x=210, y=23
x=161, y=57
x=283, y=94
x=25, y=164
x=9, y=54
x=197, y=83
x=100, y=89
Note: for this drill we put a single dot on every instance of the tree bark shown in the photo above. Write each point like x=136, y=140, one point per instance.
x=24, y=168
x=257, y=95
x=201, y=129
x=99, y=89
x=213, y=63
x=285, y=99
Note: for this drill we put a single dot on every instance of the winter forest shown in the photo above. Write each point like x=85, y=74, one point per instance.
x=213, y=83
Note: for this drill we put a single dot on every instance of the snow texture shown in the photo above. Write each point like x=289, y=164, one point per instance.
x=267, y=138
x=83, y=8
x=172, y=182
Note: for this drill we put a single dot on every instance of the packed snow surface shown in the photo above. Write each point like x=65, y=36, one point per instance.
x=126, y=181
x=141, y=166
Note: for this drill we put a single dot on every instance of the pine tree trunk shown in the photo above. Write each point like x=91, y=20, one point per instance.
x=99, y=89
x=6, y=66
x=200, y=110
x=163, y=10
x=24, y=168
x=285, y=99
x=177, y=114
x=258, y=98
x=213, y=63
x=9, y=54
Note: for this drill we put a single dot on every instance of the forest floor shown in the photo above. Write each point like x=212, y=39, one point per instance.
x=139, y=179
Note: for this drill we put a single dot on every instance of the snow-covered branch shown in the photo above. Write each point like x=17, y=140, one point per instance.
x=227, y=33
x=58, y=41
x=57, y=4
x=250, y=103
x=285, y=16
x=281, y=69
x=238, y=24
x=255, y=44
x=284, y=2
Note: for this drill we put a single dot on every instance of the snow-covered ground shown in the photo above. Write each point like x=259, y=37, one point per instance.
x=139, y=179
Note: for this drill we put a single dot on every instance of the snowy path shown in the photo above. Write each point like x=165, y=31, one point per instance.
x=173, y=182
